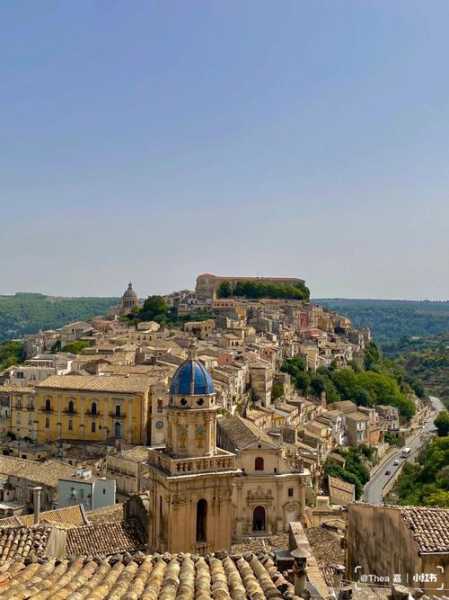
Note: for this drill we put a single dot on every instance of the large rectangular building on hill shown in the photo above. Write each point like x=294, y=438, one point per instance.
x=207, y=284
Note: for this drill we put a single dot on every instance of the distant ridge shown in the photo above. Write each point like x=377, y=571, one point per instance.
x=24, y=313
x=391, y=320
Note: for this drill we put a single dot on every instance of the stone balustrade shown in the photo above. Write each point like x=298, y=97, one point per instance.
x=176, y=466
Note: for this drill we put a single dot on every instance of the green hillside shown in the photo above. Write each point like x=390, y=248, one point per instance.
x=391, y=320
x=25, y=313
x=427, y=359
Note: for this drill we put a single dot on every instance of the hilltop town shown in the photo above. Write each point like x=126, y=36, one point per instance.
x=216, y=442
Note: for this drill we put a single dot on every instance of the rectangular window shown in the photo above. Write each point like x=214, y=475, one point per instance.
x=47, y=423
x=93, y=427
x=290, y=492
x=70, y=425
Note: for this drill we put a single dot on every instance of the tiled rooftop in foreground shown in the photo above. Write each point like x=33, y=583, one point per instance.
x=430, y=527
x=141, y=577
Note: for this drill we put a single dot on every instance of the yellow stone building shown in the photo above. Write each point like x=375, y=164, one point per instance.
x=92, y=408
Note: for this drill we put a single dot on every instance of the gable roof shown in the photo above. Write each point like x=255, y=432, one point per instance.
x=69, y=516
x=106, y=514
x=243, y=434
x=97, y=383
x=46, y=473
x=103, y=539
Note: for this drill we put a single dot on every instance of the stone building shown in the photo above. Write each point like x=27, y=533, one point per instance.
x=412, y=542
x=189, y=504
x=200, y=329
x=92, y=408
x=389, y=417
x=270, y=491
x=261, y=381
x=357, y=428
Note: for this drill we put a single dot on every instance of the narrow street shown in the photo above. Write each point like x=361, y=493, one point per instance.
x=373, y=493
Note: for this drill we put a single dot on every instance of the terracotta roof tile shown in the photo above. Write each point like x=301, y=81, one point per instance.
x=149, y=577
x=46, y=473
x=106, y=515
x=71, y=516
x=97, y=383
x=103, y=539
x=430, y=527
x=22, y=542
x=242, y=433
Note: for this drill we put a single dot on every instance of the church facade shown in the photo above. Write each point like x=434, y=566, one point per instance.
x=189, y=504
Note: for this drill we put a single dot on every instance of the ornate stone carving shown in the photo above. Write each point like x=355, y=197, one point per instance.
x=181, y=434
x=200, y=435
x=260, y=495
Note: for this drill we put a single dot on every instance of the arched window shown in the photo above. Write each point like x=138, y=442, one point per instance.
x=117, y=430
x=71, y=407
x=258, y=464
x=201, y=520
x=93, y=408
x=47, y=404
x=259, y=519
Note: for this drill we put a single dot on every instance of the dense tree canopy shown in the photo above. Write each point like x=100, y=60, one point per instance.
x=76, y=346
x=442, y=423
x=263, y=289
x=155, y=308
x=427, y=481
x=355, y=470
x=11, y=353
x=366, y=387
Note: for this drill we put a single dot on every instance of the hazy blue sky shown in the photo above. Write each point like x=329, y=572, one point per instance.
x=153, y=141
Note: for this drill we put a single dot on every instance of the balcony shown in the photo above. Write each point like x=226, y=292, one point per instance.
x=222, y=461
x=89, y=413
x=47, y=410
x=67, y=411
x=30, y=408
x=114, y=415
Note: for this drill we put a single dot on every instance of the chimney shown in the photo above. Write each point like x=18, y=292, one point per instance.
x=37, y=504
x=299, y=571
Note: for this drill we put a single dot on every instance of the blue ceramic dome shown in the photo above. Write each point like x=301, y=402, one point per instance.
x=191, y=379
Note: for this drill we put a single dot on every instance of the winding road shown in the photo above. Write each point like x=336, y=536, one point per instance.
x=373, y=493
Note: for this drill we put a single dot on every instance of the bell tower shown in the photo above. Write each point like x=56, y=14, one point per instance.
x=192, y=414
x=190, y=478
